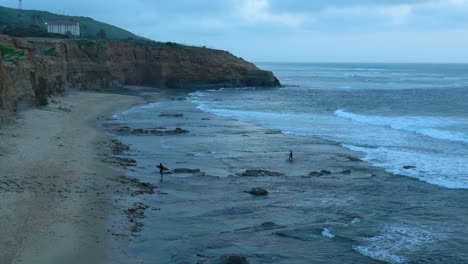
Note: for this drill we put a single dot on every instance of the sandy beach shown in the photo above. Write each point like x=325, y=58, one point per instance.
x=55, y=192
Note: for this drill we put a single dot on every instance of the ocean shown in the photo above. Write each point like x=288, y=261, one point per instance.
x=406, y=203
x=396, y=114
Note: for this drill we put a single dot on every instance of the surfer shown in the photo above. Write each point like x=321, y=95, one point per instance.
x=161, y=169
x=290, y=155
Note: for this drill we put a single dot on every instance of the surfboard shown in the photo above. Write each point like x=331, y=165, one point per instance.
x=161, y=167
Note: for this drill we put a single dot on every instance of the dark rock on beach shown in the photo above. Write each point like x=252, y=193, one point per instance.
x=135, y=213
x=257, y=173
x=155, y=132
x=118, y=147
x=258, y=191
x=125, y=162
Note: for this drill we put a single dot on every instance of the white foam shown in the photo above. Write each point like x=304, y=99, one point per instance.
x=421, y=125
x=347, y=87
x=326, y=233
x=393, y=241
x=198, y=94
x=136, y=109
x=444, y=170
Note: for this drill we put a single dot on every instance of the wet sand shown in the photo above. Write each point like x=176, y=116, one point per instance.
x=55, y=192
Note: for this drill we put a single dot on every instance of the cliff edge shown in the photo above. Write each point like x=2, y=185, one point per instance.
x=32, y=69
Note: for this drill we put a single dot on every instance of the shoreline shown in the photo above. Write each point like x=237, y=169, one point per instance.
x=55, y=190
x=120, y=218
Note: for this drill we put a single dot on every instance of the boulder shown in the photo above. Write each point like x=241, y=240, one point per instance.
x=258, y=191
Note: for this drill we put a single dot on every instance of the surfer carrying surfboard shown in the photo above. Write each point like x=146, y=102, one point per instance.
x=161, y=169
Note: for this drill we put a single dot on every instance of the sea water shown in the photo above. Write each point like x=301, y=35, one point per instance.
x=397, y=114
x=392, y=115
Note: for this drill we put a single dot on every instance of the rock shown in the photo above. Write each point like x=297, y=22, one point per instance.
x=199, y=174
x=346, y=172
x=408, y=167
x=140, y=131
x=185, y=170
x=234, y=259
x=171, y=115
x=137, y=227
x=353, y=159
x=118, y=147
x=316, y=174
x=65, y=109
x=304, y=234
x=258, y=191
x=256, y=173
x=125, y=162
x=273, y=132
x=268, y=226
x=115, y=84
x=205, y=119
x=320, y=173
x=176, y=131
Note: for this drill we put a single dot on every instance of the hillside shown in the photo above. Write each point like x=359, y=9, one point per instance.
x=30, y=21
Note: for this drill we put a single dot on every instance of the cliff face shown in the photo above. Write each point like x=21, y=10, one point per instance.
x=33, y=69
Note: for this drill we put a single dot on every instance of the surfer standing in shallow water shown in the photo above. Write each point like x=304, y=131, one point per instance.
x=161, y=169
x=290, y=155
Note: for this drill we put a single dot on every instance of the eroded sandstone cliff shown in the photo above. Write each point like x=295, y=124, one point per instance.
x=33, y=69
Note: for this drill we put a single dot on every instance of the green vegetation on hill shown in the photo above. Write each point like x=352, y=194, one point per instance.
x=11, y=54
x=31, y=23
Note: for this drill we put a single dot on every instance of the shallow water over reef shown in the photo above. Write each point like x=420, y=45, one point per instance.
x=365, y=216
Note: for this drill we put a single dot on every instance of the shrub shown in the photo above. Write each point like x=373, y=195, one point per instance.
x=52, y=52
x=11, y=54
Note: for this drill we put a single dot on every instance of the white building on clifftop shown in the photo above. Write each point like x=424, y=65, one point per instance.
x=64, y=27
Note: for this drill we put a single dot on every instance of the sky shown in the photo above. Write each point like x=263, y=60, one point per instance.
x=291, y=30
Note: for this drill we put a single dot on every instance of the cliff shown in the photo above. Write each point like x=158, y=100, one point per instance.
x=33, y=69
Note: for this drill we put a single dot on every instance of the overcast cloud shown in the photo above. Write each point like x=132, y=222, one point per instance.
x=292, y=30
